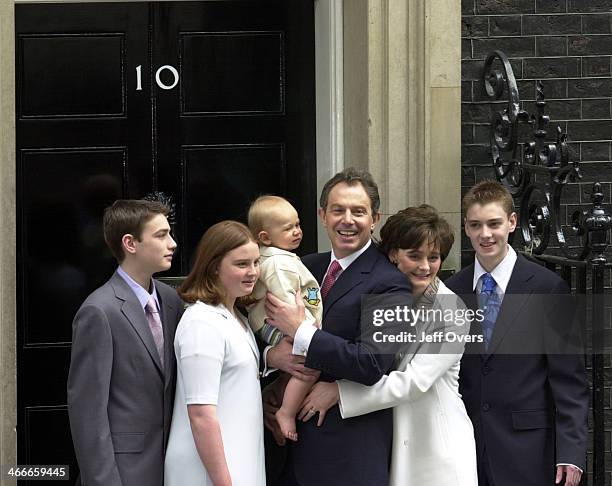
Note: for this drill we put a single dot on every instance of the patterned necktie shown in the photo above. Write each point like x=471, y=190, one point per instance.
x=490, y=303
x=332, y=274
x=156, y=327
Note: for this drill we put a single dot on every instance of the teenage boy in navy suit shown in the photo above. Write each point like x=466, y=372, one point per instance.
x=529, y=411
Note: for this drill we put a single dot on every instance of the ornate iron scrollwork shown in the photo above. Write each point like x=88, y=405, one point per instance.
x=539, y=176
x=593, y=226
x=504, y=126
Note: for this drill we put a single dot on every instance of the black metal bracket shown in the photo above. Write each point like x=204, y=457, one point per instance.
x=538, y=171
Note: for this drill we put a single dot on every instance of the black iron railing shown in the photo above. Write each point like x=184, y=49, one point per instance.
x=536, y=173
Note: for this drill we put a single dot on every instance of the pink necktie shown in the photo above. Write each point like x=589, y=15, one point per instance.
x=156, y=327
x=332, y=274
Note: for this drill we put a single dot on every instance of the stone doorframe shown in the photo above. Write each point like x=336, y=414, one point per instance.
x=388, y=99
x=402, y=102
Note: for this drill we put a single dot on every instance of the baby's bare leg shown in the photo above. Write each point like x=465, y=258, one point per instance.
x=295, y=392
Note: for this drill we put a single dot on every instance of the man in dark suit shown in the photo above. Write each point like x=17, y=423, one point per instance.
x=529, y=410
x=122, y=367
x=355, y=451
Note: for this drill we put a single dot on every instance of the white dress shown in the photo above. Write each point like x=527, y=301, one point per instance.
x=433, y=437
x=217, y=364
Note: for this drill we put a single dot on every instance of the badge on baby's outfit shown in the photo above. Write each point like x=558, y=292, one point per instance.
x=313, y=296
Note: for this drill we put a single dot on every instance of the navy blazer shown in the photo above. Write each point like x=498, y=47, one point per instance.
x=529, y=410
x=355, y=451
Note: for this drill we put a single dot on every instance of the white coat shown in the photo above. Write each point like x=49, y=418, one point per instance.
x=433, y=438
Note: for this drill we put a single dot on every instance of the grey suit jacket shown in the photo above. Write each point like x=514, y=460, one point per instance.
x=119, y=398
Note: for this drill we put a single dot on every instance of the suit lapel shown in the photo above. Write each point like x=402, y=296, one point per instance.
x=511, y=307
x=463, y=281
x=134, y=313
x=350, y=278
x=319, y=266
x=464, y=289
x=168, y=309
x=471, y=301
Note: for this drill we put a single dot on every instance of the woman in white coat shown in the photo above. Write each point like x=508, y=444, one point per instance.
x=433, y=438
x=216, y=436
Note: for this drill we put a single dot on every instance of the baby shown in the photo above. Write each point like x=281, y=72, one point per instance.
x=275, y=224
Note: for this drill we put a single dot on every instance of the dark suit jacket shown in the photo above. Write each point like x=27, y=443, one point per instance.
x=529, y=411
x=119, y=399
x=354, y=451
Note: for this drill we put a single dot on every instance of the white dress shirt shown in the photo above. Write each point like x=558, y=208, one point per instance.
x=501, y=273
x=303, y=335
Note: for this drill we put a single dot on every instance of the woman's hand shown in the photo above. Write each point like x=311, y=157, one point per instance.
x=321, y=398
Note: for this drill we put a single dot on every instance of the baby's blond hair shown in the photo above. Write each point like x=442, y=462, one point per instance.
x=260, y=211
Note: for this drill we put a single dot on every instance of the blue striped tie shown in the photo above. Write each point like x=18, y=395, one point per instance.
x=490, y=303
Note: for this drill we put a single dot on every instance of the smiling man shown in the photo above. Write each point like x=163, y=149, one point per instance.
x=529, y=410
x=354, y=451
x=122, y=367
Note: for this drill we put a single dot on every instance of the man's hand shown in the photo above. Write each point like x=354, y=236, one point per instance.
x=272, y=397
x=572, y=474
x=321, y=398
x=283, y=316
x=281, y=357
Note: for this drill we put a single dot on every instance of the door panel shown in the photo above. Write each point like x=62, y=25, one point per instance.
x=50, y=422
x=61, y=213
x=72, y=81
x=231, y=169
x=84, y=72
x=248, y=73
x=247, y=83
x=80, y=146
x=238, y=123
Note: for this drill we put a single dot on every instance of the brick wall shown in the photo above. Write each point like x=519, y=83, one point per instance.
x=568, y=45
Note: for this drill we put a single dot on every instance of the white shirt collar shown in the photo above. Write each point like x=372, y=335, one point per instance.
x=501, y=273
x=347, y=260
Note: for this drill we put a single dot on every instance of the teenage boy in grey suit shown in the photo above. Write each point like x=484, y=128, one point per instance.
x=122, y=367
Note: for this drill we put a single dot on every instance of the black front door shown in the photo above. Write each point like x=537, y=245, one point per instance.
x=209, y=102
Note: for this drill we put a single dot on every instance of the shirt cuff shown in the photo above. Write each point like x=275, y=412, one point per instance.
x=303, y=336
x=568, y=464
x=340, y=403
x=266, y=371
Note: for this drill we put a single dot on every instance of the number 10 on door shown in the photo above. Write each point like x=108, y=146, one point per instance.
x=158, y=80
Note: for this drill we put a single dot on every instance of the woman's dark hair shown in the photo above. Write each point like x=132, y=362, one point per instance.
x=413, y=226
